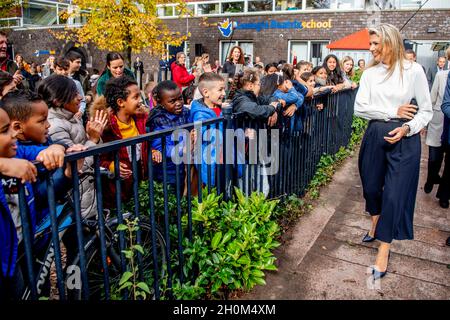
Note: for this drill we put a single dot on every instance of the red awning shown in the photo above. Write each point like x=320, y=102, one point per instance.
x=355, y=41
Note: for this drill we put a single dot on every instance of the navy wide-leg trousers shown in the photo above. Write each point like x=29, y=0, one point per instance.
x=390, y=176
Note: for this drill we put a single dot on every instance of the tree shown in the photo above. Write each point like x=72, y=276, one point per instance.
x=122, y=25
x=9, y=8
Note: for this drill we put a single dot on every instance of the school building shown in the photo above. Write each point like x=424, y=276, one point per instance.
x=271, y=29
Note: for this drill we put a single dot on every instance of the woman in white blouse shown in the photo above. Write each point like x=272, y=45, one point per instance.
x=389, y=159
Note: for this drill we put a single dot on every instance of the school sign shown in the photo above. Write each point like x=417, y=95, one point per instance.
x=226, y=27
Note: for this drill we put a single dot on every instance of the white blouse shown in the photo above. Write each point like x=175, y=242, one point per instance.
x=379, y=98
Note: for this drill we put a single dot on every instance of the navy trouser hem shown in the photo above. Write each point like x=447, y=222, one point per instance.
x=389, y=240
x=390, y=175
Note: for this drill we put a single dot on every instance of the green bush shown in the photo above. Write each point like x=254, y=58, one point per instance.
x=234, y=249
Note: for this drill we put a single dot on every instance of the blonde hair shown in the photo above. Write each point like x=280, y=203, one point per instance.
x=392, y=40
x=447, y=53
x=344, y=60
x=197, y=60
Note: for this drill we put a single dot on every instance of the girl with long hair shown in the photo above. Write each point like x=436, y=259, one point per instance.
x=334, y=73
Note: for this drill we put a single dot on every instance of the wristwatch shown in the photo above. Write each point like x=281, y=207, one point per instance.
x=408, y=128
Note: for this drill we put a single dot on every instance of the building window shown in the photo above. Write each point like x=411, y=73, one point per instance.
x=166, y=11
x=225, y=47
x=410, y=3
x=209, y=8
x=318, y=4
x=233, y=7
x=40, y=14
x=348, y=4
x=260, y=5
x=312, y=51
x=284, y=5
x=190, y=10
x=62, y=13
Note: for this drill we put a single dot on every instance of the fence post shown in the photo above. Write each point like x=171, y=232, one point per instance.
x=227, y=112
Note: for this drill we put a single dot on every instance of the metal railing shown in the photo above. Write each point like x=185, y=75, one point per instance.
x=87, y=254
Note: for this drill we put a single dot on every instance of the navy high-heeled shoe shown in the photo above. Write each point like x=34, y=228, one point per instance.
x=368, y=238
x=380, y=274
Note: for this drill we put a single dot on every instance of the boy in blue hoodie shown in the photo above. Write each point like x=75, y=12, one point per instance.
x=169, y=113
x=212, y=89
x=21, y=167
x=28, y=114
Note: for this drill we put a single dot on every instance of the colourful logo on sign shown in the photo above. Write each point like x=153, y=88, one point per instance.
x=226, y=28
x=274, y=24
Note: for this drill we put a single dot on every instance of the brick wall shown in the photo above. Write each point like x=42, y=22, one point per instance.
x=268, y=44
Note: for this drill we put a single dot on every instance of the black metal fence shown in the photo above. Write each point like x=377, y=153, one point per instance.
x=71, y=257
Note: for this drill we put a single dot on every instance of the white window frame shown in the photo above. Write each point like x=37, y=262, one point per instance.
x=233, y=43
x=309, y=46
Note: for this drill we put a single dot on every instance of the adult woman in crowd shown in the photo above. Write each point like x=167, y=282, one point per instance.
x=48, y=67
x=21, y=64
x=389, y=159
x=437, y=140
x=180, y=75
x=236, y=57
x=115, y=68
x=348, y=72
x=334, y=73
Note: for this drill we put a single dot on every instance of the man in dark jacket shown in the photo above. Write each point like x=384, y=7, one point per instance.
x=138, y=67
x=440, y=66
x=6, y=64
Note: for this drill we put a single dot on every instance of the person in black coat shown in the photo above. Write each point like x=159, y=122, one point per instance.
x=235, y=57
x=138, y=67
x=247, y=100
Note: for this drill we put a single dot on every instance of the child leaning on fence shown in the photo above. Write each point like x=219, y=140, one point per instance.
x=168, y=114
x=248, y=100
x=127, y=118
x=63, y=100
x=212, y=88
x=15, y=163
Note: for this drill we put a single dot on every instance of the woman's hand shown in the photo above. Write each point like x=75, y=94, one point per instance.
x=272, y=120
x=289, y=112
x=407, y=111
x=397, y=134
